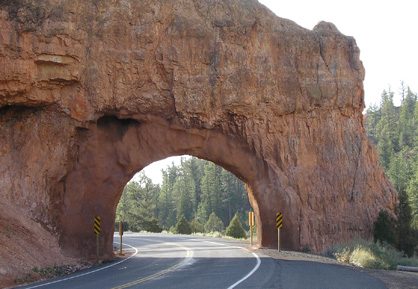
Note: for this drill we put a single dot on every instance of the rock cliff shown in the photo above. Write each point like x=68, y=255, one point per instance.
x=93, y=91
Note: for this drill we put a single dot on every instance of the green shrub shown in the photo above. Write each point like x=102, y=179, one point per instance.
x=235, y=229
x=214, y=224
x=196, y=226
x=152, y=226
x=183, y=227
x=367, y=254
x=384, y=228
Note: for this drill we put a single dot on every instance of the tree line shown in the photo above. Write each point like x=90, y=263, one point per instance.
x=394, y=130
x=205, y=194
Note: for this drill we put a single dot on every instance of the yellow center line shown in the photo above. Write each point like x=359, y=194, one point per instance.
x=172, y=268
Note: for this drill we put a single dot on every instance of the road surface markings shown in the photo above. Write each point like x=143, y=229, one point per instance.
x=88, y=273
x=250, y=273
x=186, y=260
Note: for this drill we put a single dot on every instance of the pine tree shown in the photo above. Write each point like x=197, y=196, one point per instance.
x=214, y=224
x=385, y=148
x=166, y=212
x=405, y=236
x=400, y=170
x=196, y=226
x=415, y=125
x=234, y=196
x=235, y=229
x=384, y=229
x=412, y=192
x=195, y=168
x=184, y=191
x=406, y=121
x=211, y=197
x=373, y=118
x=387, y=126
x=123, y=207
x=182, y=226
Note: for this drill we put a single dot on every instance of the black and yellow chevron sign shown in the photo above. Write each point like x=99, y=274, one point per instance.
x=97, y=225
x=279, y=220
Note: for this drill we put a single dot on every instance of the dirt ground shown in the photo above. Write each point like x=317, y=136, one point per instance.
x=392, y=279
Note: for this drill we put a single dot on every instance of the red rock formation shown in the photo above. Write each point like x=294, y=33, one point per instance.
x=93, y=91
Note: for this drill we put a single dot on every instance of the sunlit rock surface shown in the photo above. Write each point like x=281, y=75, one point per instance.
x=93, y=91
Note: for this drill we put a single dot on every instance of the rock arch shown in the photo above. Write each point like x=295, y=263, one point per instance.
x=113, y=150
x=93, y=91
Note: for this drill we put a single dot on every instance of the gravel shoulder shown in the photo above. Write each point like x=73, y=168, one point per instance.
x=392, y=279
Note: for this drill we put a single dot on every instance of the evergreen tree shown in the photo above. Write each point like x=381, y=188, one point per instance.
x=211, y=199
x=415, y=125
x=123, y=207
x=373, y=118
x=235, y=229
x=234, y=196
x=406, y=121
x=405, y=236
x=387, y=126
x=400, y=171
x=195, y=168
x=214, y=224
x=185, y=192
x=412, y=192
x=182, y=226
x=385, y=148
x=140, y=195
x=384, y=229
x=196, y=226
x=396, y=138
x=166, y=209
x=195, y=189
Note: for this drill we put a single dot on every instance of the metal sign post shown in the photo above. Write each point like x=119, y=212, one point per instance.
x=279, y=225
x=251, y=223
x=97, y=232
x=120, y=234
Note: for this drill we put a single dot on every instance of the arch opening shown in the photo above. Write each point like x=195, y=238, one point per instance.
x=156, y=197
x=111, y=151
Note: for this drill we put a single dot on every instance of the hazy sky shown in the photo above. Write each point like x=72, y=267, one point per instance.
x=386, y=32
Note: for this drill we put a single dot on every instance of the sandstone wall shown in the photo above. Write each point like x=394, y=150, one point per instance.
x=93, y=91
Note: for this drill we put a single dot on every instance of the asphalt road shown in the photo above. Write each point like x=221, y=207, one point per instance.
x=173, y=261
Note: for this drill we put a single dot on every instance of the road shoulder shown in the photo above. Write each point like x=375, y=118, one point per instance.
x=392, y=279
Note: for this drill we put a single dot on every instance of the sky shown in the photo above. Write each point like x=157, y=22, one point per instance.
x=385, y=31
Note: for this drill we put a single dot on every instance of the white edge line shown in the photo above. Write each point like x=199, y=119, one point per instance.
x=251, y=272
x=91, y=272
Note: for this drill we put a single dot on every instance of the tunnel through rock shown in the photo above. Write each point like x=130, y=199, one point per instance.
x=113, y=150
x=93, y=91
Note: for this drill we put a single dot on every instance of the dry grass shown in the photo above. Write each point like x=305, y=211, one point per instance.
x=367, y=254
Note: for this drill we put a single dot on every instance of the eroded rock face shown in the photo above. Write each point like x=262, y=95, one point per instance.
x=93, y=91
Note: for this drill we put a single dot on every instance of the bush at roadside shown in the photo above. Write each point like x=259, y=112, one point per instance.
x=368, y=254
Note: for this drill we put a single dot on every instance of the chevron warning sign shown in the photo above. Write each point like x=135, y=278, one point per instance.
x=279, y=220
x=97, y=225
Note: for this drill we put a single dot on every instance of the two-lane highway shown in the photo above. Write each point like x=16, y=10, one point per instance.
x=176, y=261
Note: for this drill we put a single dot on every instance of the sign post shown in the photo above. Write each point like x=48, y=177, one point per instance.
x=279, y=225
x=120, y=234
x=97, y=232
x=251, y=223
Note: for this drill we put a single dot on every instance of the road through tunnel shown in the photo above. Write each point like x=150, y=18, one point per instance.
x=93, y=91
x=113, y=150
